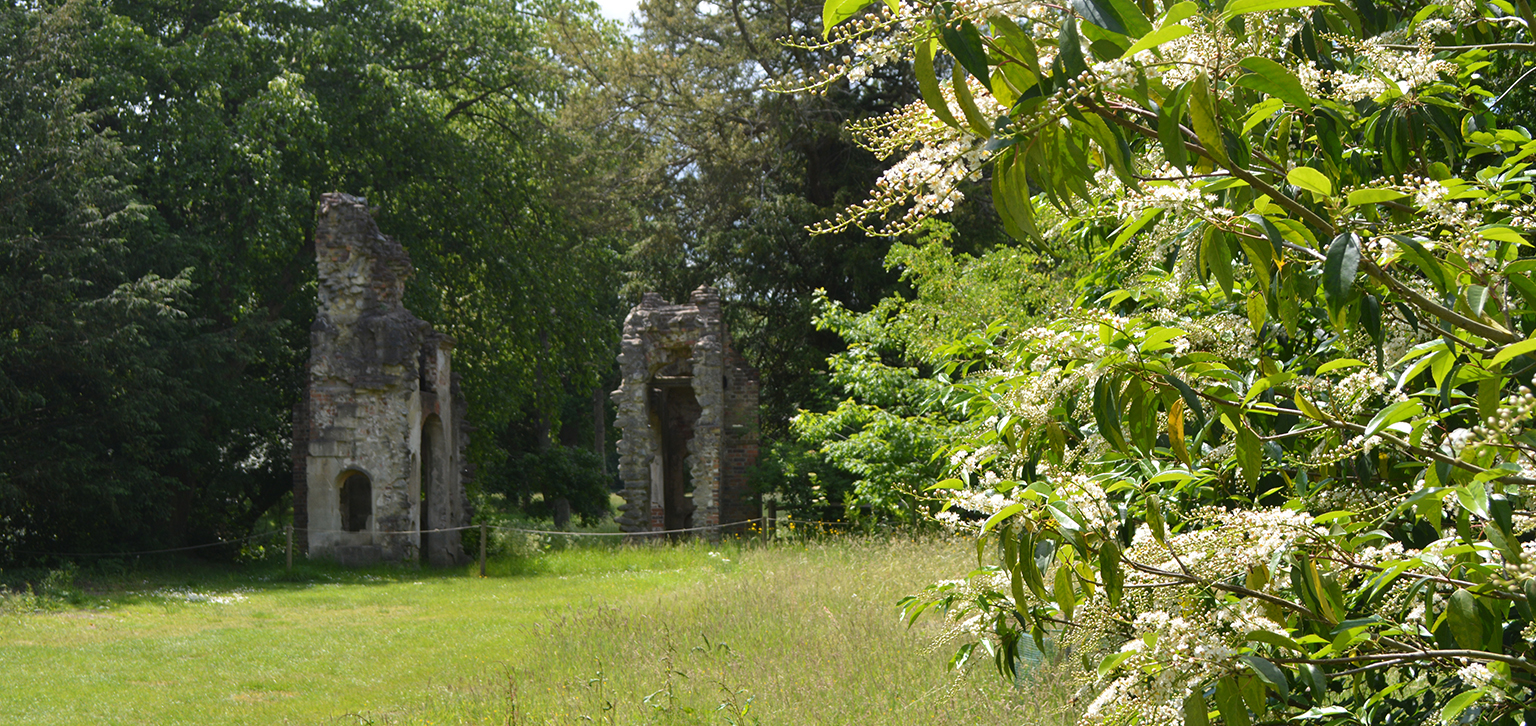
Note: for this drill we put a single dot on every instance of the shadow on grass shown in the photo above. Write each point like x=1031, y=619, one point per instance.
x=167, y=578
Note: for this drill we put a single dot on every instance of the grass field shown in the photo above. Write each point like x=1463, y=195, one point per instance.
x=673, y=634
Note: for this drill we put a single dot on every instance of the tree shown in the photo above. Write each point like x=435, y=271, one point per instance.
x=1274, y=465
x=87, y=393
x=882, y=444
x=225, y=121
x=714, y=177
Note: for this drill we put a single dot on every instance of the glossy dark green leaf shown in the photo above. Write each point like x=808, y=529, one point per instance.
x=964, y=43
x=1273, y=79
x=1116, y=16
x=1110, y=571
x=1229, y=701
x=1070, y=50
x=1270, y=674
x=928, y=83
x=1463, y=619
x=1217, y=257
x=1340, y=268
x=1204, y=118
x=1171, y=135
x=1106, y=412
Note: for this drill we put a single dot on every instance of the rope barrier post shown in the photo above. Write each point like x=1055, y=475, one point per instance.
x=290, y=547
x=482, y=549
x=772, y=521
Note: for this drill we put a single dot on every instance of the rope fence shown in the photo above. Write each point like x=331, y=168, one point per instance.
x=769, y=522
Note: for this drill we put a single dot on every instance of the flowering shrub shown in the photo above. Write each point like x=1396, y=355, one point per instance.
x=1275, y=464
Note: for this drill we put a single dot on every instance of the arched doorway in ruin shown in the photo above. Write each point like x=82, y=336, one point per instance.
x=356, y=501
x=674, y=412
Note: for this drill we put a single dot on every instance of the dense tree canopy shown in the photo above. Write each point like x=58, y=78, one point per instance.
x=170, y=244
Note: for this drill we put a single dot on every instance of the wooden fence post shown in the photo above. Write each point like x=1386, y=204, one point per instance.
x=482, y=549
x=290, y=548
x=772, y=521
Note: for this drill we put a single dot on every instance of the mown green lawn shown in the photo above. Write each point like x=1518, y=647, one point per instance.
x=790, y=634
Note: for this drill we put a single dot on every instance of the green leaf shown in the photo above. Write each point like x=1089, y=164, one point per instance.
x=1191, y=399
x=1215, y=254
x=1001, y=515
x=1157, y=338
x=928, y=84
x=1334, y=365
x=1113, y=661
x=1066, y=598
x=1229, y=701
x=1373, y=196
x=1464, y=621
x=1178, y=11
x=946, y=484
x=1155, y=517
x=1501, y=233
x=1243, y=7
x=1311, y=180
x=1270, y=673
x=1426, y=262
x=1106, y=412
x=1273, y=79
x=1102, y=14
x=964, y=43
x=1508, y=352
x=1340, y=268
x=1275, y=639
x=1258, y=311
x=1250, y=454
x=1170, y=134
x=1261, y=112
x=1455, y=706
x=1156, y=38
x=1018, y=42
x=1070, y=51
x=1196, y=713
x=1110, y=571
x=1203, y=116
x=836, y=11
x=1400, y=411
x=967, y=103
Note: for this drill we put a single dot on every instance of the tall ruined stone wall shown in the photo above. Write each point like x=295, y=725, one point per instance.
x=380, y=384
x=741, y=440
x=687, y=345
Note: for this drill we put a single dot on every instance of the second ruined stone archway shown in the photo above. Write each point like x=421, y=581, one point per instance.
x=687, y=410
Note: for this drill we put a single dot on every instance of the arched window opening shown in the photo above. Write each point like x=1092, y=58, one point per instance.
x=356, y=502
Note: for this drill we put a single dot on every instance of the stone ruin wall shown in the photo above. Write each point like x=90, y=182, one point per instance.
x=381, y=400
x=688, y=346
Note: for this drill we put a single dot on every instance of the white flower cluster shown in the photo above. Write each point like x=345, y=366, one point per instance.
x=1083, y=493
x=1231, y=541
x=1171, y=656
x=927, y=180
x=1378, y=66
x=1182, y=194
x=1357, y=391
x=1477, y=675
